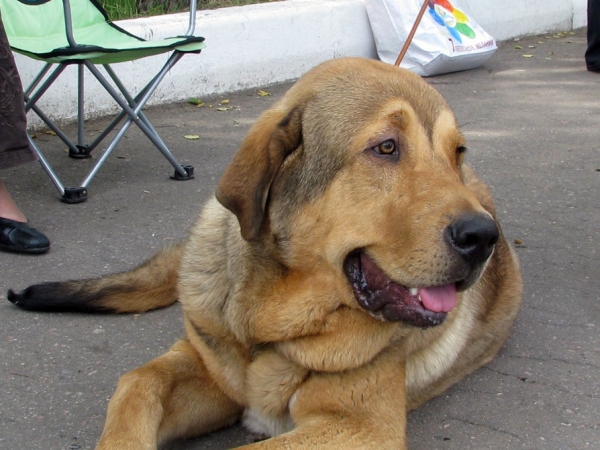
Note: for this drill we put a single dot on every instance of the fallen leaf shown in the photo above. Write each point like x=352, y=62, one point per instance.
x=518, y=47
x=223, y=109
x=518, y=241
x=527, y=56
x=224, y=102
x=191, y=137
x=196, y=101
x=531, y=46
x=262, y=93
x=50, y=132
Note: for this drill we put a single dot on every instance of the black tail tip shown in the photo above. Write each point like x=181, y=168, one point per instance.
x=29, y=299
x=13, y=297
x=19, y=299
x=56, y=297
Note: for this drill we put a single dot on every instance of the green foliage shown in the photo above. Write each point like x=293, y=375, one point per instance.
x=127, y=9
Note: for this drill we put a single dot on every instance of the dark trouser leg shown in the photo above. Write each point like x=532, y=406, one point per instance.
x=592, y=55
x=14, y=145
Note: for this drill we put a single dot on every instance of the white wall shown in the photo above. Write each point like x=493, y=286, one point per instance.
x=246, y=47
x=257, y=45
x=510, y=18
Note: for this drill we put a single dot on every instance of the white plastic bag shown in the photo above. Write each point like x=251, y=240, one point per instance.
x=447, y=39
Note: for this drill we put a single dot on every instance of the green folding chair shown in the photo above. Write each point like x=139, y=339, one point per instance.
x=63, y=32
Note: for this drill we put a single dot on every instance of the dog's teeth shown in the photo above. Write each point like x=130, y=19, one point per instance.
x=414, y=291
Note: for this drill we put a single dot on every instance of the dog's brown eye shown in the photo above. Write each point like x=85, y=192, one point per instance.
x=386, y=147
x=461, y=150
x=387, y=150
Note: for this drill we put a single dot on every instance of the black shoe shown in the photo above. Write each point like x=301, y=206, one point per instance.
x=593, y=67
x=20, y=238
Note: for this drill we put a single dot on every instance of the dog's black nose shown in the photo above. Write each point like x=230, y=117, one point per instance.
x=473, y=237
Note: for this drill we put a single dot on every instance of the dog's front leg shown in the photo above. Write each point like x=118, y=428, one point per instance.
x=364, y=408
x=171, y=396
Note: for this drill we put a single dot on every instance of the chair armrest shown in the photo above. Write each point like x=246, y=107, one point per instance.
x=69, y=23
x=192, y=26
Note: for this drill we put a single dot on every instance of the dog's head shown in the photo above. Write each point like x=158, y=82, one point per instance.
x=360, y=168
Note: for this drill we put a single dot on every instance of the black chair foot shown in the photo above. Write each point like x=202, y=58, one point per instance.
x=83, y=152
x=74, y=195
x=189, y=170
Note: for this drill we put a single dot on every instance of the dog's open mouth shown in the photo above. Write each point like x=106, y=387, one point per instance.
x=421, y=307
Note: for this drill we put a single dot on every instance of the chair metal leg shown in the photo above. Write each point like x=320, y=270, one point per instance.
x=133, y=102
x=42, y=89
x=63, y=137
x=31, y=99
x=68, y=194
x=92, y=173
x=47, y=168
x=42, y=73
x=134, y=113
x=80, y=105
x=131, y=110
x=122, y=114
x=139, y=101
x=83, y=150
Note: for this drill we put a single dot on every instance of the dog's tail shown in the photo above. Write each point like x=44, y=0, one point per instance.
x=149, y=286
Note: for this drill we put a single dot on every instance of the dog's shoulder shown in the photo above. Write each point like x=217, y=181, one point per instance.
x=205, y=272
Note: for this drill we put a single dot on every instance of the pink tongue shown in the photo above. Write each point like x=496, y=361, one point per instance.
x=439, y=298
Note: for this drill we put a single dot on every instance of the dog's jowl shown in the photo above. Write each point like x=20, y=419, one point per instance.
x=349, y=268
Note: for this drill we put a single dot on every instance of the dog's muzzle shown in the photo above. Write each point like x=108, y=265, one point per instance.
x=471, y=239
x=388, y=300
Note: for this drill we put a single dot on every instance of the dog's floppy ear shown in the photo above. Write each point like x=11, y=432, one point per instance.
x=244, y=187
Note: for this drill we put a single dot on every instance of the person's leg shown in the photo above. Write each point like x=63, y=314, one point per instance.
x=592, y=55
x=15, y=234
x=8, y=208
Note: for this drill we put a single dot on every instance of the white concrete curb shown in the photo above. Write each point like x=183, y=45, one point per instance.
x=257, y=45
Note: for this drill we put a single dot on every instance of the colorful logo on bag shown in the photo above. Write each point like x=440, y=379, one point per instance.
x=453, y=19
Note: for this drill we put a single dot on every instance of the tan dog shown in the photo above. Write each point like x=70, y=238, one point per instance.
x=350, y=268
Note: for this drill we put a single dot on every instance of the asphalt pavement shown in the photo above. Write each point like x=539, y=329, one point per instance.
x=531, y=116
